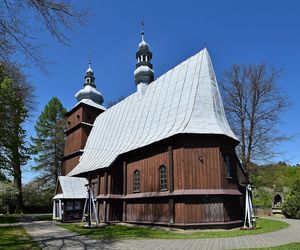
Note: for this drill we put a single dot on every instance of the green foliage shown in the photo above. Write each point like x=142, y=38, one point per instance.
x=7, y=196
x=35, y=193
x=14, y=111
x=49, y=141
x=13, y=114
x=275, y=176
x=269, y=179
x=262, y=198
x=291, y=205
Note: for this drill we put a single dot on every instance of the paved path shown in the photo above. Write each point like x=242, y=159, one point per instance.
x=51, y=236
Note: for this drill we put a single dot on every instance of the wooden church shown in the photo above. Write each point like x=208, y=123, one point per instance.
x=164, y=155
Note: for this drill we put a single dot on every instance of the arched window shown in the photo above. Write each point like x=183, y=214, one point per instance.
x=163, y=179
x=136, y=181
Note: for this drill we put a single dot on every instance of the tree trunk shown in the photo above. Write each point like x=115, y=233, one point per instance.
x=17, y=174
x=18, y=185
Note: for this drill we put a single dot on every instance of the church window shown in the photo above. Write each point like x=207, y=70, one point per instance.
x=163, y=179
x=136, y=181
x=228, y=166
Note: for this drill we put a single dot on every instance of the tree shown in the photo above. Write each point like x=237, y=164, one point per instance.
x=18, y=35
x=50, y=140
x=291, y=205
x=36, y=193
x=15, y=94
x=254, y=103
x=262, y=198
x=8, y=194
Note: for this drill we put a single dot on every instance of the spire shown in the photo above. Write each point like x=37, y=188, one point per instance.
x=89, y=90
x=89, y=77
x=144, y=73
x=142, y=31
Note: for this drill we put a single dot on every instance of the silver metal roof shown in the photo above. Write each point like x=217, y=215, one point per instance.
x=186, y=99
x=72, y=188
x=91, y=103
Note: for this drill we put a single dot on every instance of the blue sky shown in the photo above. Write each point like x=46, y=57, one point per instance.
x=233, y=31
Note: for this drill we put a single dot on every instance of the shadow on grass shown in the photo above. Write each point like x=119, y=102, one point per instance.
x=15, y=237
x=117, y=232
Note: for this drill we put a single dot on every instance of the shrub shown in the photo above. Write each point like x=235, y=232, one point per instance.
x=262, y=198
x=291, y=205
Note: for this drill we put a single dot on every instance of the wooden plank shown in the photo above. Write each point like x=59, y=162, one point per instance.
x=171, y=211
x=124, y=178
x=171, y=169
x=98, y=184
x=105, y=183
x=124, y=211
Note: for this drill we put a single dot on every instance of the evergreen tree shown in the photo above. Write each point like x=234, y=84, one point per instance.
x=50, y=140
x=14, y=91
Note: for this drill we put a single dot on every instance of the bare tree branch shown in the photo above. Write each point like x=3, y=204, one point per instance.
x=254, y=103
x=18, y=36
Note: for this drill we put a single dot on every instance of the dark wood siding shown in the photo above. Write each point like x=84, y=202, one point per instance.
x=196, y=164
x=148, y=165
x=77, y=132
x=198, y=167
x=155, y=210
x=190, y=210
x=69, y=164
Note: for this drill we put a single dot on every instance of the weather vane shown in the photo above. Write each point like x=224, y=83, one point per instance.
x=89, y=59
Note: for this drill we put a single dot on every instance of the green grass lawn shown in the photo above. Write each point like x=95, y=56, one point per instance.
x=114, y=232
x=13, y=238
x=291, y=246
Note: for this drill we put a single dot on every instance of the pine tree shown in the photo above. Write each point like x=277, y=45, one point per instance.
x=50, y=140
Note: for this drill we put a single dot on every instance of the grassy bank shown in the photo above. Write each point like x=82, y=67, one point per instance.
x=114, y=232
x=13, y=238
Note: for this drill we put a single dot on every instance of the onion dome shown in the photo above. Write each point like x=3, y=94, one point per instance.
x=143, y=73
x=89, y=90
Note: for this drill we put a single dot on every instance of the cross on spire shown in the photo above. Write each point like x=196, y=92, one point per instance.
x=142, y=30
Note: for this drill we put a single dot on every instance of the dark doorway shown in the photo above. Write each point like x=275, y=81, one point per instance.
x=116, y=211
x=277, y=201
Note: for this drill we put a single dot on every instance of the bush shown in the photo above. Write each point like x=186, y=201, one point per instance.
x=291, y=205
x=262, y=198
x=7, y=196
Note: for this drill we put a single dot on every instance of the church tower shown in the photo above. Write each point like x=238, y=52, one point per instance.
x=143, y=73
x=80, y=120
